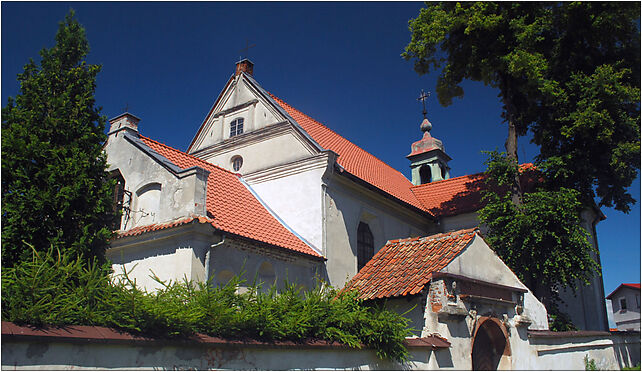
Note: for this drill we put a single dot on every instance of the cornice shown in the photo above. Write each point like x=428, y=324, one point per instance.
x=318, y=161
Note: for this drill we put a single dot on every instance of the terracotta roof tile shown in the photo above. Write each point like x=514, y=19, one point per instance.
x=461, y=194
x=354, y=159
x=452, y=196
x=404, y=267
x=231, y=206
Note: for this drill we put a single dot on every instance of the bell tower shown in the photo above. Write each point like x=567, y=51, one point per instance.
x=429, y=161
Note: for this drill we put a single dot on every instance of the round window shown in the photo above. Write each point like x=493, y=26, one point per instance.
x=237, y=163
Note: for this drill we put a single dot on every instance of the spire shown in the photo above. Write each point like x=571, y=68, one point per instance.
x=428, y=156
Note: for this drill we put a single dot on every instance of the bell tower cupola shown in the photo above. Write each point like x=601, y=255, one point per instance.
x=429, y=161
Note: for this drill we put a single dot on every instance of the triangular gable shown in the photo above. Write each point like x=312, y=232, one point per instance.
x=239, y=93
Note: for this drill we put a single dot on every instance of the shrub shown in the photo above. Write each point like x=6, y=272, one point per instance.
x=56, y=289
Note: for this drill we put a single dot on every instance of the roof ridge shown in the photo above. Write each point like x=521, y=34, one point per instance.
x=438, y=236
x=449, y=179
x=337, y=134
x=205, y=163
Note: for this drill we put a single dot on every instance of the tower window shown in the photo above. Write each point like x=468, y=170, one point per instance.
x=424, y=174
x=236, y=127
x=365, y=245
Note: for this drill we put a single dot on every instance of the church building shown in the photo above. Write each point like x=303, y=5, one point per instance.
x=267, y=192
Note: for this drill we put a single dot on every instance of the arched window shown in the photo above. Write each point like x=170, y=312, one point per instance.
x=148, y=203
x=424, y=174
x=236, y=127
x=365, y=245
x=118, y=195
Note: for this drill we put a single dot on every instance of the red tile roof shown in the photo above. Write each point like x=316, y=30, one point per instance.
x=462, y=194
x=452, y=196
x=628, y=285
x=231, y=207
x=354, y=159
x=403, y=267
x=162, y=226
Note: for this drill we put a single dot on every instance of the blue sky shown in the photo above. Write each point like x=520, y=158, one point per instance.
x=338, y=62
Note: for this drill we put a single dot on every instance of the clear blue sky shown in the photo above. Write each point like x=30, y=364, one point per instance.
x=338, y=62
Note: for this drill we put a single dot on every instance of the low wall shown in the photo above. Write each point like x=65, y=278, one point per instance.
x=568, y=350
x=80, y=347
x=103, y=348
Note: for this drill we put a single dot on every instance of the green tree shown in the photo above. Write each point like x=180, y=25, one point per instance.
x=55, y=188
x=588, y=122
x=570, y=73
x=542, y=236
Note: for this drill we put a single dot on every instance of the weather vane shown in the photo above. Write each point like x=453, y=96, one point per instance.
x=126, y=107
x=246, y=49
x=423, y=97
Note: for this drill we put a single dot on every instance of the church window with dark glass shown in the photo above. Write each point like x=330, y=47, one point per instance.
x=236, y=127
x=365, y=245
x=237, y=163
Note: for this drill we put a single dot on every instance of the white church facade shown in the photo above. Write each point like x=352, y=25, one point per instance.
x=266, y=191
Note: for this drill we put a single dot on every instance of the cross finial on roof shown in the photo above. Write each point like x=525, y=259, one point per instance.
x=423, y=97
x=126, y=107
x=246, y=49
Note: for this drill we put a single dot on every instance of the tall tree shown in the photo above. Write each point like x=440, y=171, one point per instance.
x=55, y=188
x=569, y=72
x=588, y=116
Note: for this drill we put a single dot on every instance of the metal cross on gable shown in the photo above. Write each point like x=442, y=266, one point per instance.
x=246, y=49
x=423, y=97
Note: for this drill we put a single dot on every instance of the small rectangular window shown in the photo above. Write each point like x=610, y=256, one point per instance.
x=637, y=300
x=623, y=303
x=236, y=127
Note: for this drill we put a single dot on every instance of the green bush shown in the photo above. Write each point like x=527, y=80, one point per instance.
x=56, y=289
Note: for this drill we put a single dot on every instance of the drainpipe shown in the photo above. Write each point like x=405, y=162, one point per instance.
x=208, y=256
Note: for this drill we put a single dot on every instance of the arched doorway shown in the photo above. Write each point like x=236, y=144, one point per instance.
x=490, y=345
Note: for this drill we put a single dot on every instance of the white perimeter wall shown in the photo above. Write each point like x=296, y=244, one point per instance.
x=38, y=353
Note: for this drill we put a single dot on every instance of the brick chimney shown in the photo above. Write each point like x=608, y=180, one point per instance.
x=125, y=120
x=244, y=65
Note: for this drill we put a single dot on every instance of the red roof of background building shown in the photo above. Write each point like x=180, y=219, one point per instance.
x=452, y=196
x=231, y=207
x=354, y=159
x=403, y=267
x=627, y=285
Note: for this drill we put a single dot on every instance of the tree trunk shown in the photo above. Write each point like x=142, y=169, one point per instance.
x=511, y=140
x=511, y=152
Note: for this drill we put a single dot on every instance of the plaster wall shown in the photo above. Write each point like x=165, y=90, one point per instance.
x=261, y=265
x=629, y=318
x=40, y=354
x=171, y=255
x=479, y=261
x=261, y=150
x=458, y=222
x=181, y=356
x=568, y=353
x=174, y=196
x=586, y=306
x=346, y=205
x=294, y=192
